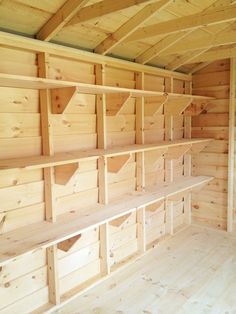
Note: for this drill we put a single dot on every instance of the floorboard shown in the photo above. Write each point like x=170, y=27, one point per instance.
x=193, y=272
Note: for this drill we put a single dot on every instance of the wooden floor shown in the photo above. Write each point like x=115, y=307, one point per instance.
x=193, y=272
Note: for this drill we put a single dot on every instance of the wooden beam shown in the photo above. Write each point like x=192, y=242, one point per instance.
x=162, y=46
x=102, y=169
x=140, y=163
x=194, y=21
x=199, y=67
x=185, y=59
x=130, y=26
x=225, y=37
x=231, y=153
x=60, y=18
x=47, y=148
x=67, y=244
x=102, y=8
x=61, y=98
x=64, y=173
x=216, y=54
x=30, y=44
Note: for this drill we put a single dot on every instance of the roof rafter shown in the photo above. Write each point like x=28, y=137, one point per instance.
x=225, y=38
x=188, y=57
x=199, y=67
x=60, y=18
x=130, y=26
x=216, y=54
x=103, y=8
x=162, y=46
x=194, y=21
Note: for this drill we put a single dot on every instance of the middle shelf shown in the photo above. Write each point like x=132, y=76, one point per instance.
x=45, y=234
x=37, y=162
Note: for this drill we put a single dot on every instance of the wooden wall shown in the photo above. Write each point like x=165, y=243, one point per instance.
x=22, y=192
x=210, y=206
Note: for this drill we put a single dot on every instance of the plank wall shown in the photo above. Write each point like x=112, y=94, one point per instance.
x=22, y=192
x=209, y=206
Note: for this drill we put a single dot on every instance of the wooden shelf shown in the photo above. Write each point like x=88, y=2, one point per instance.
x=45, y=234
x=36, y=162
x=19, y=81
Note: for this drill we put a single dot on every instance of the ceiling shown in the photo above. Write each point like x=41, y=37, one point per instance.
x=182, y=35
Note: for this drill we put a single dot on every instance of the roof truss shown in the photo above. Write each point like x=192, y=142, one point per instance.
x=102, y=8
x=130, y=26
x=216, y=16
x=60, y=18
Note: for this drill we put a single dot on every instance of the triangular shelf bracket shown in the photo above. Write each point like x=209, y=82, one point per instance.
x=197, y=107
x=177, y=151
x=118, y=222
x=116, y=163
x=67, y=244
x=61, y=98
x=115, y=102
x=198, y=147
x=64, y=173
x=176, y=105
x=154, y=104
x=154, y=207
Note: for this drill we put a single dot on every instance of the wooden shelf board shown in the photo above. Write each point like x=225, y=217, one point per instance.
x=45, y=234
x=19, y=81
x=36, y=162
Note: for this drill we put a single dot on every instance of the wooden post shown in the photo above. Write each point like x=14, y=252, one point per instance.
x=47, y=147
x=102, y=168
x=187, y=159
x=231, y=153
x=169, y=171
x=140, y=173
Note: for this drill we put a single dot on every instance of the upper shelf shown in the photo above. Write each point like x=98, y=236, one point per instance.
x=26, y=239
x=19, y=81
x=36, y=162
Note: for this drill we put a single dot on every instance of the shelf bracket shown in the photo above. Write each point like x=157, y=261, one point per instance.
x=64, y=173
x=61, y=98
x=177, y=151
x=197, y=107
x=67, y=244
x=115, y=102
x=176, y=105
x=154, y=207
x=116, y=163
x=154, y=104
x=154, y=156
x=119, y=221
x=197, y=147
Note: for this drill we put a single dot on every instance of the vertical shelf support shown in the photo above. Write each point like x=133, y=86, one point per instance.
x=169, y=171
x=47, y=147
x=140, y=172
x=231, y=153
x=187, y=160
x=102, y=168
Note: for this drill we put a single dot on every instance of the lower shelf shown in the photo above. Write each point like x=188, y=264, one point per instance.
x=45, y=234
